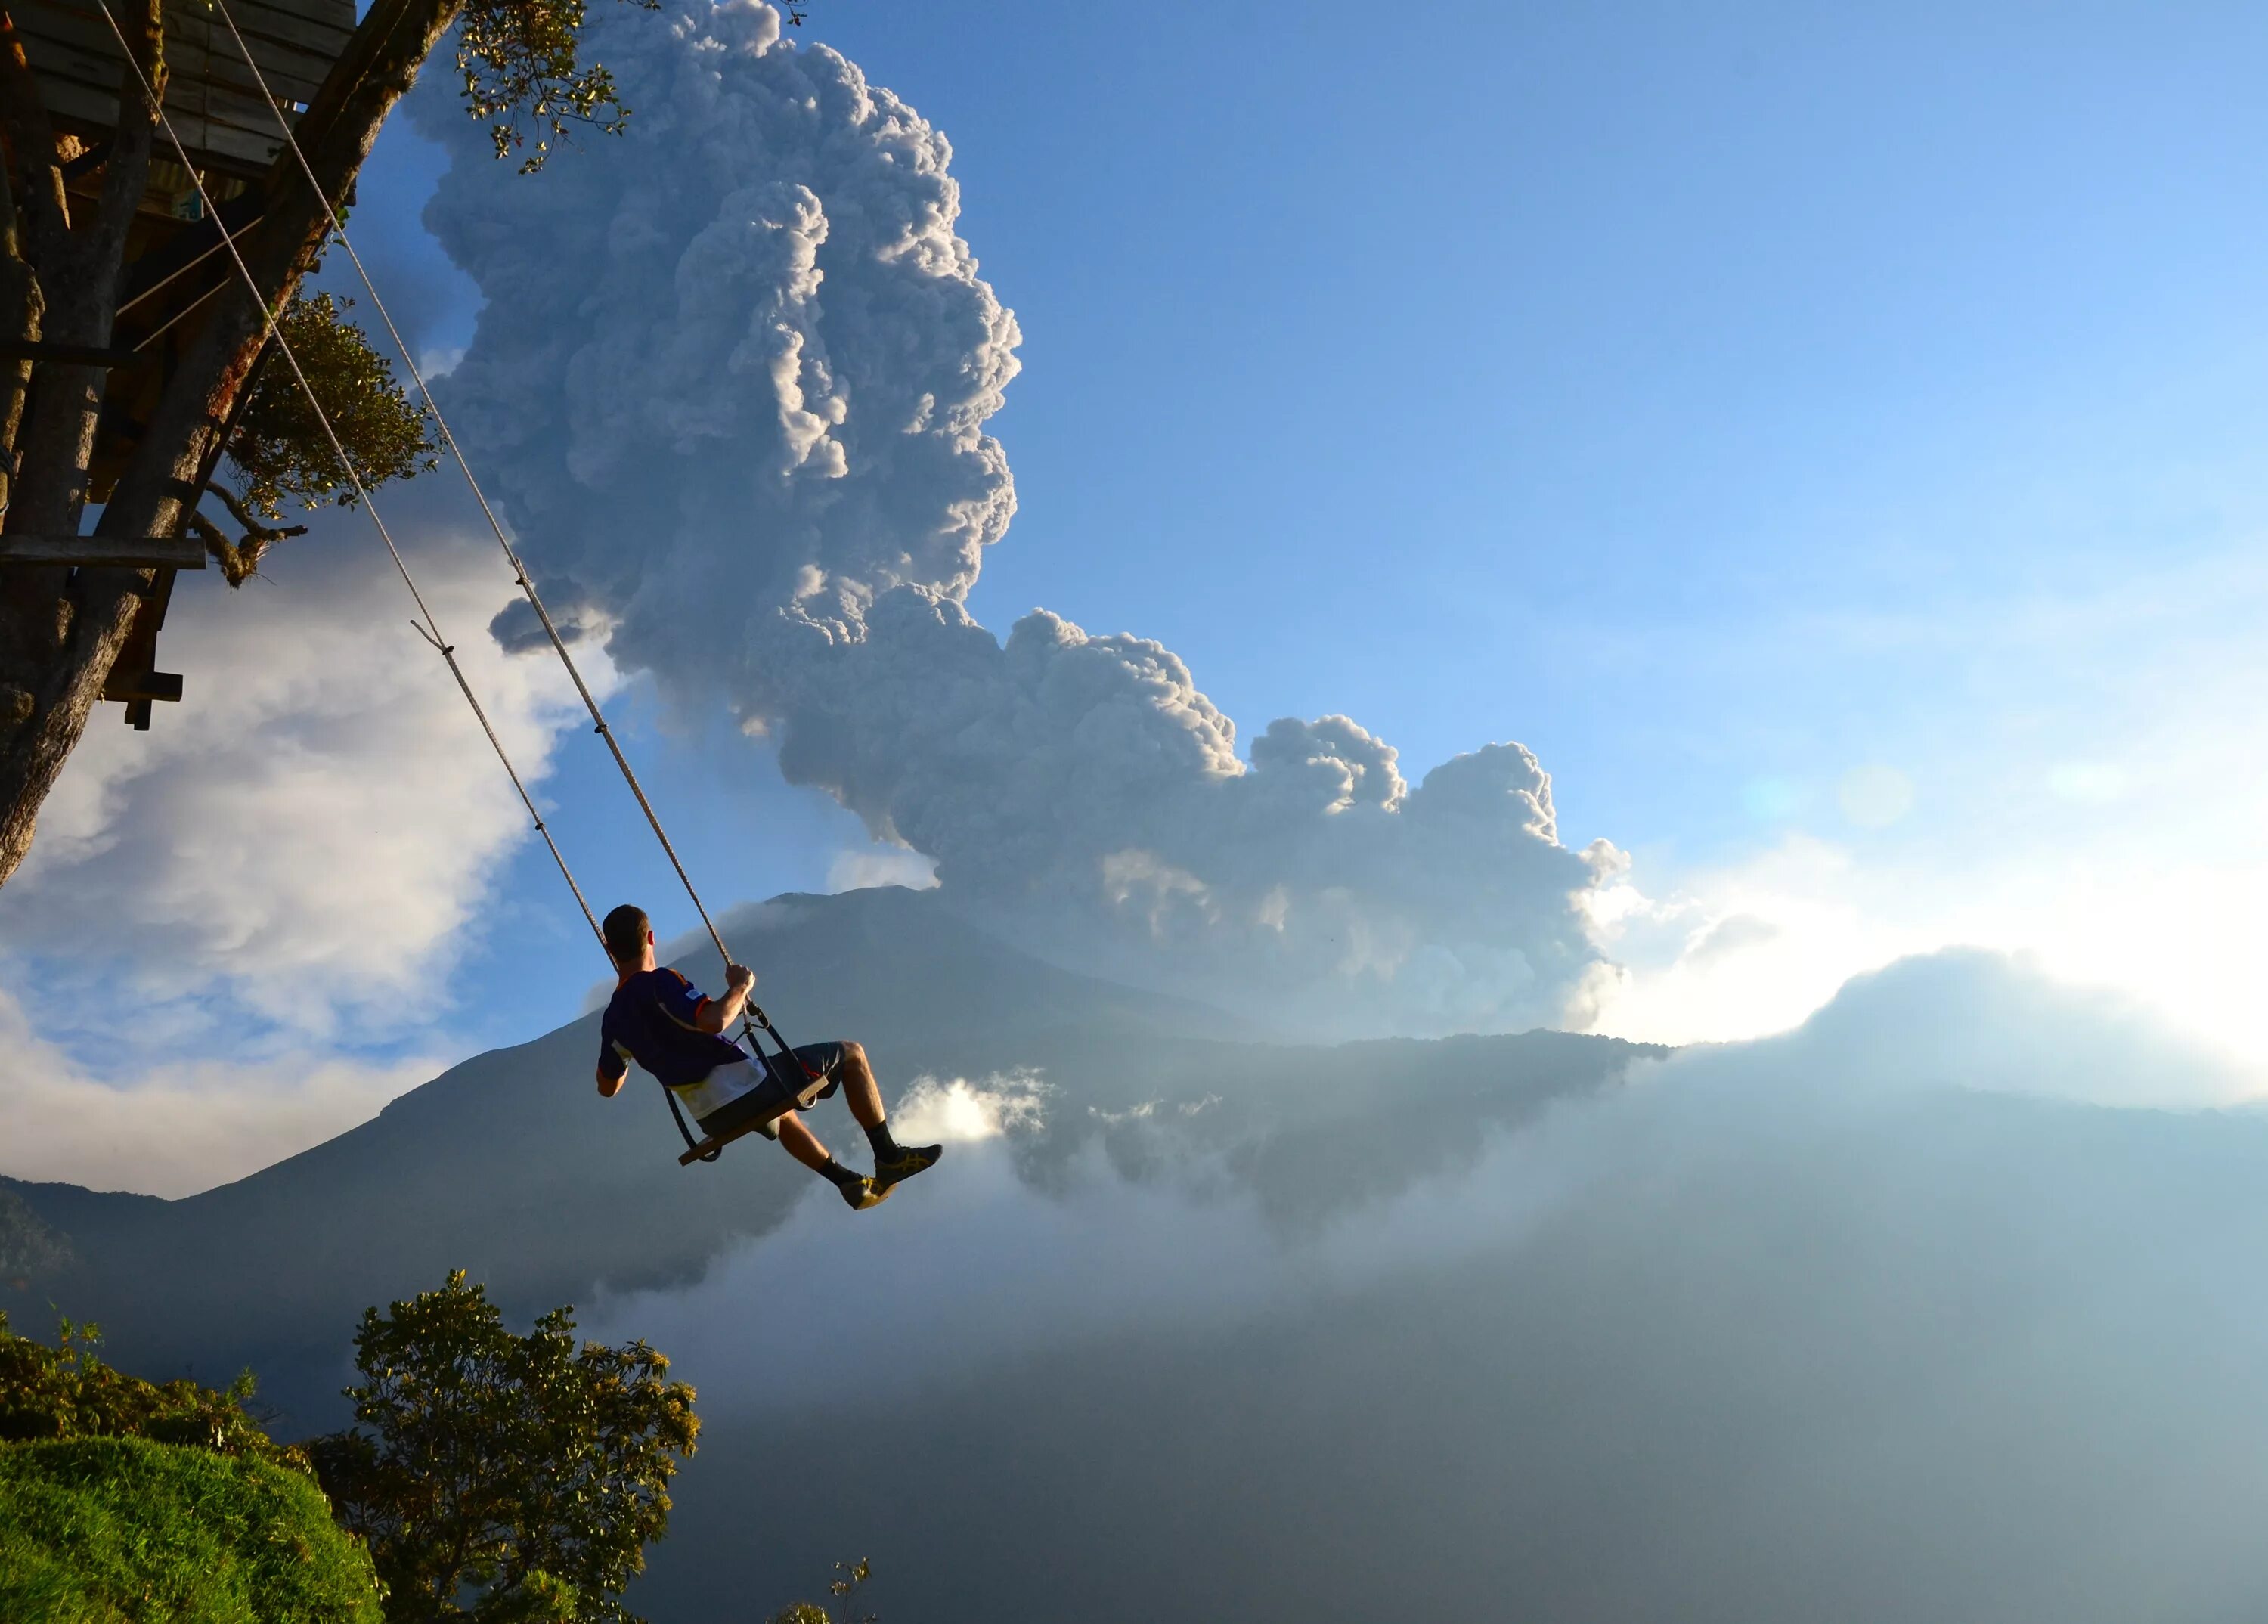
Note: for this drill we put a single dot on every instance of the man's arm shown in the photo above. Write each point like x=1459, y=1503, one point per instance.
x=613, y=1067
x=716, y=1014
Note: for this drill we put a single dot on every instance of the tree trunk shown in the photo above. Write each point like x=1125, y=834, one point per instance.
x=60, y=632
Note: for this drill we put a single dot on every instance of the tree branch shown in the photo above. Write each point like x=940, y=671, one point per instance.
x=252, y=527
x=238, y=560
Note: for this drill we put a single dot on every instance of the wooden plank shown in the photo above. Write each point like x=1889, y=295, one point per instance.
x=216, y=146
x=278, y=38
x=67, y=355
x=213, y=98
x=299, y=22
x=83, y=47
x=716, y=1142
x=221, y=88
x=168, y=552
x=130, y=686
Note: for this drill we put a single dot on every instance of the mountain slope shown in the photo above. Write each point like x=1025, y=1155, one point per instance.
x=511, y=1166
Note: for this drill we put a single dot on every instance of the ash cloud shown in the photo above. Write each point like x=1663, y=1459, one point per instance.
x=731, y=384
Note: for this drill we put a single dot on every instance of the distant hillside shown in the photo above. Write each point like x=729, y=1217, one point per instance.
x=510, y=1165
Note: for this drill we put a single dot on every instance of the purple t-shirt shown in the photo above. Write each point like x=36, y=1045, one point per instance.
x=651, y=1021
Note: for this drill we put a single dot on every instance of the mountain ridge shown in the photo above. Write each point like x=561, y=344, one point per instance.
x=509, y=1165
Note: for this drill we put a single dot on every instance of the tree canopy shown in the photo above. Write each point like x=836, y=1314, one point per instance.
x=279, y=452
x=501, y=1477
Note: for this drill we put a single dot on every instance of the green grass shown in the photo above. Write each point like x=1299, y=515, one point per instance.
x=119, y=1530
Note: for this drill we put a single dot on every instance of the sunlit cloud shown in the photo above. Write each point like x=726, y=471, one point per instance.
x=179, y=1126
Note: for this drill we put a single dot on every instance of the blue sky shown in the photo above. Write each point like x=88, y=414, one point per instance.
x=1831, y=442
x=1708, y=402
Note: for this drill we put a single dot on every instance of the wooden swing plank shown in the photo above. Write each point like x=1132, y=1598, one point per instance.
x=69, y=355
x=716, y=1142
x=161, y=552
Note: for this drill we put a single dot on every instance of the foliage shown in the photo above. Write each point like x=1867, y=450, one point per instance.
x=279, y=446
x=524, y=1473
x=28, y=1248
x=66, y=1392
x=848, y=1577
x=517, y=59
x=123, y=1529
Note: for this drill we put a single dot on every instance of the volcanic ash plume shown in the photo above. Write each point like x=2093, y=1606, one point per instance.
x=733, y=378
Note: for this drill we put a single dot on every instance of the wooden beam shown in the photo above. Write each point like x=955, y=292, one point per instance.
x=69, y=355
x=716, y=1141
x=132, y=685
x=160, y=552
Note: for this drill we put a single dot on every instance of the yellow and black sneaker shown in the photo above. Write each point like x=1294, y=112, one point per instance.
x=862, y=1193
x=890, y=1171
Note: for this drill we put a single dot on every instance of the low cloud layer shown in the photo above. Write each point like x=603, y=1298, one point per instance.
x=732, y=383
x=1826, y=1325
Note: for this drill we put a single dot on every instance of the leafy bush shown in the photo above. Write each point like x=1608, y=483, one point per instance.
x=116, y=1531
x=66, y=1391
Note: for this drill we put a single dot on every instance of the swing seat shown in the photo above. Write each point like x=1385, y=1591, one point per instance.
x=709, y=1148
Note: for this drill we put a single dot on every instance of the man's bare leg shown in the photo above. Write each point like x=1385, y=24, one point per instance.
x=860, y=1092
x=892, y=1162
x=802, y=1143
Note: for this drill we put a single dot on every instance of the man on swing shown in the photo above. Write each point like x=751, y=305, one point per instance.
x=658, y=1019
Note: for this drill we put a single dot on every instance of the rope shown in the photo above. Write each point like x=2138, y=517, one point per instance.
x=430, y=630
x=753, y=1016
x=520, y=576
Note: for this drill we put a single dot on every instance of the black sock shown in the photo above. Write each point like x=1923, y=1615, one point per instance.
x=834, y=1173
x=886, y=1149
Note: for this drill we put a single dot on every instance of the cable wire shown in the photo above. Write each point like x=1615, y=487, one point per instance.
x=430, y=629
x=753, y=1016
x=522, y=578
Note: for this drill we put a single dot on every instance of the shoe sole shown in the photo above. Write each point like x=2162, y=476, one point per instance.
x=874, y=1197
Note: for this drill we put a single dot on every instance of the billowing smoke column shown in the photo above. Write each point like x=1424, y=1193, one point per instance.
x=731, y=382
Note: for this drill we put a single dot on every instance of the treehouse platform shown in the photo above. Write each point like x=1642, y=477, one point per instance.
x=211, y=96
x=175, y=261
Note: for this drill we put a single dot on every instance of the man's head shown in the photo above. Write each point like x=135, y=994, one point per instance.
x=628, y=933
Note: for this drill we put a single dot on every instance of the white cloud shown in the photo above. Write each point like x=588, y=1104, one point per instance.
x=182, y=1127
x=959, y=1112
x=1740, y=950
x=313, y=829
x=1756, y=945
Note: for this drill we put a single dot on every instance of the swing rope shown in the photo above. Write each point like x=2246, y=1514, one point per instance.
x=753, y=1016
